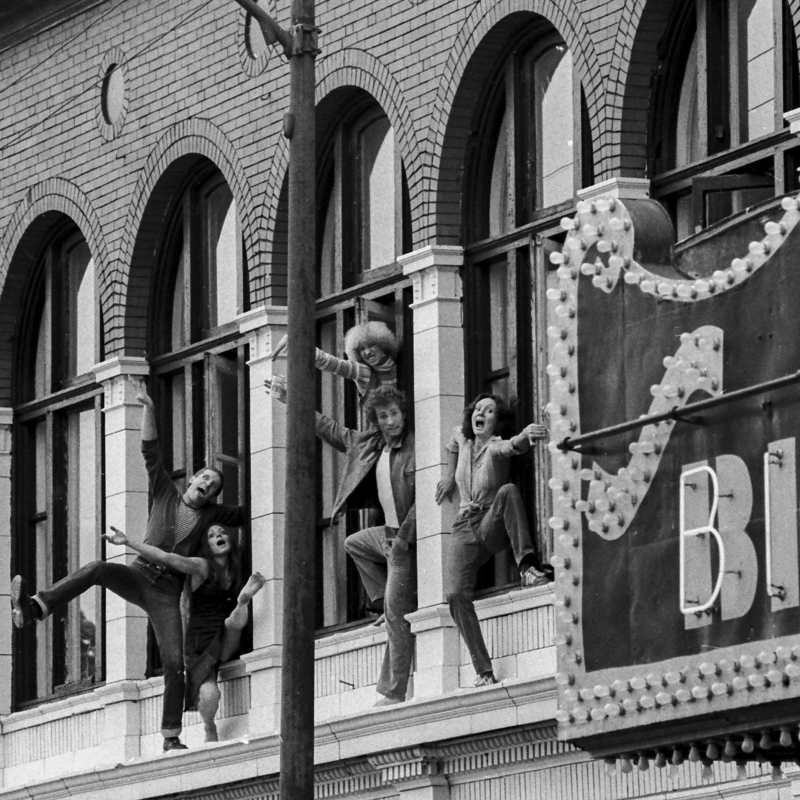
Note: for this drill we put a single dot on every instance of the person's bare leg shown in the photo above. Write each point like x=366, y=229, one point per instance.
x=237, y=619
x=207, y=704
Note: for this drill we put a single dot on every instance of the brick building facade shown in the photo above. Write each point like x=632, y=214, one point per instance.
x=143, y=233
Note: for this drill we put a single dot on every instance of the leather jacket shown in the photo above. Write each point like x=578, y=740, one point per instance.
x=358, y=487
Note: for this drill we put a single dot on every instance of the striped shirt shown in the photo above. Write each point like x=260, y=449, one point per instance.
x=480, y=471
x=357, y=371
x=185, y=520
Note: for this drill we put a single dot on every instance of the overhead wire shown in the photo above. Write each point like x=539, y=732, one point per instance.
x=57, y=50
x=95, y=83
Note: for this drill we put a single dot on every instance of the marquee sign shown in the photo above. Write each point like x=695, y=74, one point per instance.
x=675, y=410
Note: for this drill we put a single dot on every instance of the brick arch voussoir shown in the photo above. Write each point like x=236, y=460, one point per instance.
x=262, y=271
x=30, y=222
x=625, y=115
x=55, y=194
x=188, y=137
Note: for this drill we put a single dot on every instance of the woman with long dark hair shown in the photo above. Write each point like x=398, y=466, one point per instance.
x=217, y=612
x=490, y=516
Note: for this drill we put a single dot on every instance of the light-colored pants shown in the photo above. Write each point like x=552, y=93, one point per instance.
x=476, y=537
x=389, y=570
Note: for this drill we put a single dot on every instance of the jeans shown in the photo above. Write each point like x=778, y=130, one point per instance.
x=388, y=569
x=476, y=537
x=156, y=592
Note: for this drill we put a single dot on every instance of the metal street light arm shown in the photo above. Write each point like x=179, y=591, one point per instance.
x=272, y=31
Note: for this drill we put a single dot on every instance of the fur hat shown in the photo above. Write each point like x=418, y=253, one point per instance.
x=376, y=333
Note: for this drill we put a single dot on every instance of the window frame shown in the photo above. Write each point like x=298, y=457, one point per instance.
x=356, y=295
x=525, y=247
x=197, y=356
x=722, y=155
x=341, y=192
x=46, y=313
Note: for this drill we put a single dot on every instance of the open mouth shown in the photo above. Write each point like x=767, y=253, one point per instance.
x=479, y=424
x=201, y=490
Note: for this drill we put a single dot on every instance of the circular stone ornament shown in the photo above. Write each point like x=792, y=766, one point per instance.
x=113, y=106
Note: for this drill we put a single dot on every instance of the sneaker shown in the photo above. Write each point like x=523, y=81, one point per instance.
x=486, y=679
x=23, y=606
x=533, y=577
x=388, y=701
x=173, y=743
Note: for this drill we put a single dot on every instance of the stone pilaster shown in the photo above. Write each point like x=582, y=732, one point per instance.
x=438, y=401
x=6, y=417
x=265, y=326
x=416, y=773
x=126, y=495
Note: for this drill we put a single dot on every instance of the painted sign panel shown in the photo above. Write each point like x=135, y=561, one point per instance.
x=676, y=537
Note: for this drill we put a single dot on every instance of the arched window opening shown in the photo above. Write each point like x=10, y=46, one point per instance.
x=57, y=464
x=531, y=154
x=199, y=370
x=363, y=225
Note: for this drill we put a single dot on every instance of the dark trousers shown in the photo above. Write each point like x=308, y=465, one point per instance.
x=388, y=570
x=476, y=537
x=158, y=593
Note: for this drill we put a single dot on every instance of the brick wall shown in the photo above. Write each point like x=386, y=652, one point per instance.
x=191, y=87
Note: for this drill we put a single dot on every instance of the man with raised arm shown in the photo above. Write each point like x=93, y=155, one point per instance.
x=380, y=473
x=176, y=524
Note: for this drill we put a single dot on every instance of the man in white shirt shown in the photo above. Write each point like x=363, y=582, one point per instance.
x=379, y=472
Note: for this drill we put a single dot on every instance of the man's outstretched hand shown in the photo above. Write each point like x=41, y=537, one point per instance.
x=276, y=387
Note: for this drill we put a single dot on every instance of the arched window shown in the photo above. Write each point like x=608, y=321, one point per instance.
x=529, y=154
x=363, y=225
x=199, y=356
x=58, y=492
x=719, y=141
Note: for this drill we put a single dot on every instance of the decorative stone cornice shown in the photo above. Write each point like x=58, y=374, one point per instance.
x=120, y=366
x=793, y=118
x=408, y=764
x=622, y=188
x=434, y=273
x=494, y=742
x=113, y=374
x=263, y=326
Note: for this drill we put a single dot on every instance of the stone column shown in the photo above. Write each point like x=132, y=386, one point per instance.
x=6, y=417
x=264, y=327
x=126, y=495
x=438, y=402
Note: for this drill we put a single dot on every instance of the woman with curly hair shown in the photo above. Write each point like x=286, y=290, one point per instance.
x=490, y=515
x=371, y=351
x=217, y=612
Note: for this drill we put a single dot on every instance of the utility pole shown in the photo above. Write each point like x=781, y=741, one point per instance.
x=297, y=674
